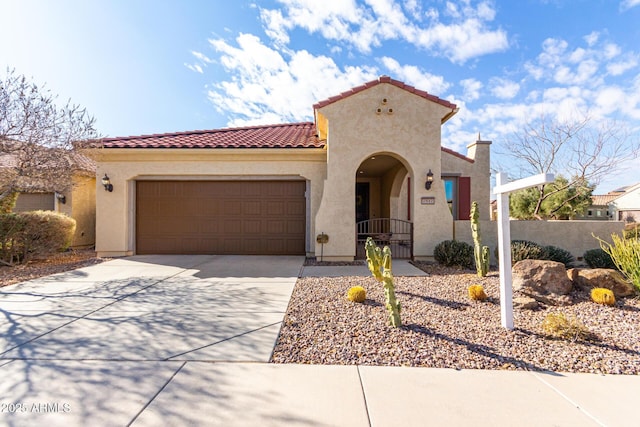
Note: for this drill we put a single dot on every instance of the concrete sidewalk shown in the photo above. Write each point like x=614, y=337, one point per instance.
x=148, y=341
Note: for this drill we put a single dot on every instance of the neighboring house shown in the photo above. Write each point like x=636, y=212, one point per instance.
x=626, y=207
x=599, y=208
x=79, y=202
x=371, y=164
x=622, y=204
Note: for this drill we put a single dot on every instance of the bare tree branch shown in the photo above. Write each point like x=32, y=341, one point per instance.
x=37, y=137
x=581, y=149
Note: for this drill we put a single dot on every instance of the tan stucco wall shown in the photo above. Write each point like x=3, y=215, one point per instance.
x=573, y=236
x=81, y=206
x=116, y=210
x=356, y=132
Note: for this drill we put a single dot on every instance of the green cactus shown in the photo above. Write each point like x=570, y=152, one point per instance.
x=480, y=252
x=379, y=263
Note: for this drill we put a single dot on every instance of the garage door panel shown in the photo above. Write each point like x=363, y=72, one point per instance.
x=275, y=226
x=295, y=227
x=275, y=208
x=251, y=226
x=296, y=208
x=221, y=217
x=253, y=208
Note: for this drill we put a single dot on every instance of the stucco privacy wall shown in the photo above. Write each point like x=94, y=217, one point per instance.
x=573, y=236
x=410, y=132
x=82, y=206
x=116, y=210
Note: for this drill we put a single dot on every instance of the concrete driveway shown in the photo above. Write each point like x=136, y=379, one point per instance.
x=102, y=341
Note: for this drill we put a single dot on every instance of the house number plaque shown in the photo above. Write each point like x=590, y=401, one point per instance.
x=428, y=201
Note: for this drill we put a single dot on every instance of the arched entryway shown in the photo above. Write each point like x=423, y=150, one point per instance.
x=383, y=205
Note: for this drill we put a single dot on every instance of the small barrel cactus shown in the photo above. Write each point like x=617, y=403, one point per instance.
x=357, y=294
x=477, y=293
x=603, y=296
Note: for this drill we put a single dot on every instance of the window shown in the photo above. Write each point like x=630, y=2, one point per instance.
x=451, y=193
x=457, y=191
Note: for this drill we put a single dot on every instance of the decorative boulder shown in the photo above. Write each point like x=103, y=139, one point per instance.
x=541, y=277
x=589, y=278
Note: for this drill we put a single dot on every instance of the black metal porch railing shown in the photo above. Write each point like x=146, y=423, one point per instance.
x=395, y=233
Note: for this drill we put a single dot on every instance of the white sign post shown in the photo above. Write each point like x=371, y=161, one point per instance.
x=502, y=190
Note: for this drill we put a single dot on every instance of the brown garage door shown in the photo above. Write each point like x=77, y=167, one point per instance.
x=220, y=217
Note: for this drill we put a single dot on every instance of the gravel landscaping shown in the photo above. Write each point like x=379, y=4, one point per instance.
x=58, y=263
x=443, y=328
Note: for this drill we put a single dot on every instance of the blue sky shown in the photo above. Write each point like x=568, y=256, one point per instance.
x=154, y=66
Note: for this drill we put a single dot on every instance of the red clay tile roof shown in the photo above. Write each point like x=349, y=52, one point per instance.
x=385, y=79
x=291, y=135
x=603, y=199
x=455, y=153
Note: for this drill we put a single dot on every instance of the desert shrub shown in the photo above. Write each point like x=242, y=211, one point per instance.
x=632, y=231
x=603, y=296
x=43, y=233
x=598, y=258
x=568, y=328
x=454, y=253
x=525, y=249
x=625, y=254
x=554, y=253
x=11, y=232
x=8, y=202
x=477, y=293
x=357, y=294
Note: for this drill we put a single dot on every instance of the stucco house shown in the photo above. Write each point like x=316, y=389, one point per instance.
x=78, y=200
x=626, y=206
x=622, y=204
x=370, y=164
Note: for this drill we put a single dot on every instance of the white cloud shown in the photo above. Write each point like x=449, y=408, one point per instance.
x=201, y=62
x=592, y=38
x=366, y=25
x=610, y=99
x=268, y=86
x=504, y=88
x=195, y=67
x=622, y=66
x=471, y=89
x=628, y=4
x=417, y=77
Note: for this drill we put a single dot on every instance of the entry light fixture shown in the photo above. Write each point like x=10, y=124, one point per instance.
x=106, y=182
x=429, y=181
x=61, y=198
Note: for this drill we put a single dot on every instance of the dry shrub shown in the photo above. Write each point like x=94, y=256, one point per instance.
x=568, y=328
x=44, y=233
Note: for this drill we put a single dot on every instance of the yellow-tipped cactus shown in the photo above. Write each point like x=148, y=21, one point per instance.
x=603, y=296
x=379, y=263
x=357, y=294
x=477, y=293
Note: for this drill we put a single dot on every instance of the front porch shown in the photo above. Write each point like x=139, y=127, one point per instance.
x=395, y=233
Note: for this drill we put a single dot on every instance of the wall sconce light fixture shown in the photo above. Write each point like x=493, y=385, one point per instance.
x=429, y=181
x=106, y=182
x=61, y=198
